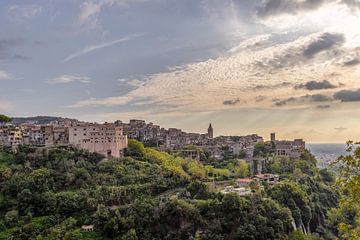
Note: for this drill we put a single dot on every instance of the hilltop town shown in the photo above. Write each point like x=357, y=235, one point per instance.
x=64, y=170
x=110, y=139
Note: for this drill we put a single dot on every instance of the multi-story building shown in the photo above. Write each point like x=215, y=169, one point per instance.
x=291, y=149
x=10, y=136
x=106, y=139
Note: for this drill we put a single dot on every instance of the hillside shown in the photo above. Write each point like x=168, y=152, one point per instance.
x=51, y=194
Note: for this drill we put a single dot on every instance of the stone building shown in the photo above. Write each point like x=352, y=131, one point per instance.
x=10, y=137
x=106, y=139
x=291, y=149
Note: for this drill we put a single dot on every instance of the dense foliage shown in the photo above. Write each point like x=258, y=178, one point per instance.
x=51, y=193
x=345, y=220
x=4, y=118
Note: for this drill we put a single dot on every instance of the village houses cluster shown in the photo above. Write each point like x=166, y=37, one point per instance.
x=110, y=139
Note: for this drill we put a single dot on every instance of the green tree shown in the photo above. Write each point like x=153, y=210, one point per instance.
x=242, y=170
x=349, y=182
x=4, y=119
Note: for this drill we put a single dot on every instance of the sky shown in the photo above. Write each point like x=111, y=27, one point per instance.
x=247, y=66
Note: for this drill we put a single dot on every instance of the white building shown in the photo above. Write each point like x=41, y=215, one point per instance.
x=106, y=139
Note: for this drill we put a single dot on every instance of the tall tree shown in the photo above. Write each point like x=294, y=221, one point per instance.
x=4, y=119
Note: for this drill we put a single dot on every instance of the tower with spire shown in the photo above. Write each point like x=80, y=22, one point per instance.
x=210, y=132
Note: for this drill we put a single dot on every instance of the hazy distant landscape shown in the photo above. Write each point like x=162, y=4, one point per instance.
x=326, y=153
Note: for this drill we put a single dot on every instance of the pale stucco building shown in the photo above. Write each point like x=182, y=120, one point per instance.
x=106, y=139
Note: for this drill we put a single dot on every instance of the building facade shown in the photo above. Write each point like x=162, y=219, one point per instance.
x=106, y=139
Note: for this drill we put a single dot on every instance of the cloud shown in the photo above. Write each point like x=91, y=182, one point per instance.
x=302, y=50
x=90, y=10
x=4, y=75
x=202, y=85
x=231, y=102
x=276, y=7
x=314, y=85
x=302, y=99
x=352, y=59
x=92, y=48
x=69, y=79
x=351, y=62
x=21, y=13
x=340, y=129
x=351, y=3
x=130, y=82
x=348, y=95
x=318, y=98
x=110, y=101
x=323, y=106
x=324, y=42
x=275, y=86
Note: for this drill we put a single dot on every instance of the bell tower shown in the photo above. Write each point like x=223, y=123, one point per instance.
x=210, y=132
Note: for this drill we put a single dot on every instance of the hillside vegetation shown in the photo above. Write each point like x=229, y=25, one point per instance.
x=51, y=193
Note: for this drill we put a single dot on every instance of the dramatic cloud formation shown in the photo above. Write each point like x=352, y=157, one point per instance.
x=69, y=79
x=348, y=95
x=314, y=85
x=199, y=60
x=325, y=41
x=302, y=50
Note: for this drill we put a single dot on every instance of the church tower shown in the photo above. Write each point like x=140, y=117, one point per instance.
x=210, y=132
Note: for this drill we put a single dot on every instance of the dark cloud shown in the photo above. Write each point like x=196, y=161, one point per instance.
x=348, y=95
x=279, y=85
x=318, y=98
x=283, y=102
x=314, y=85
x=231, y=102
x=303, y=99
x=351, y=62
x=304, y=52
x=277, y=7
x=323, y=106
x=324, y=42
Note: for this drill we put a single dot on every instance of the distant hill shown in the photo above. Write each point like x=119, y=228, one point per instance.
x=38, y=119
